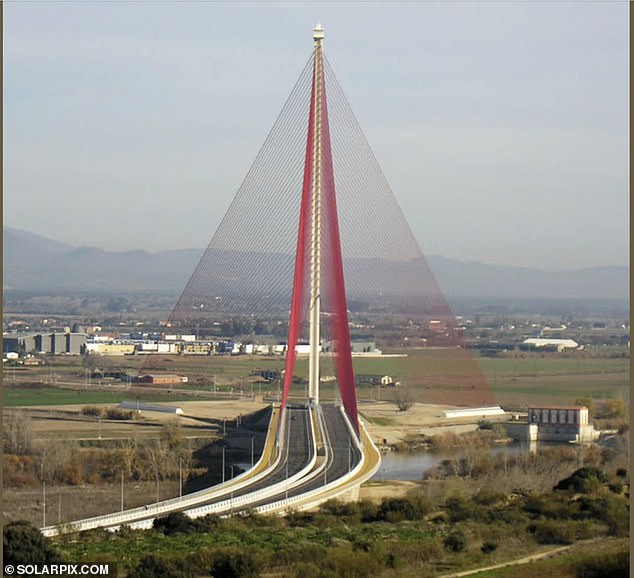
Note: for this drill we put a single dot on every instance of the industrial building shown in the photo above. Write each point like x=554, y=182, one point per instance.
x=160, y=379
x=545, y=344
x=552, y=423
x=47, y=343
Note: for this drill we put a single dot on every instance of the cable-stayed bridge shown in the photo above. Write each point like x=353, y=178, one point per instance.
x=313, y=233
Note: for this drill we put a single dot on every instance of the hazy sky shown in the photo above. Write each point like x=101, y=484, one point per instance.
x=502, y=127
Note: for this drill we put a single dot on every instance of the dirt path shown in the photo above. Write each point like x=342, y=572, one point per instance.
x=523, y=560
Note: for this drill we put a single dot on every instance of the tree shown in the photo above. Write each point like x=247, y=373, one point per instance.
x=17, y=433
x=173, y=523
x=586, y=401
x=23, y=543
x=404, y=400
x=587, y=480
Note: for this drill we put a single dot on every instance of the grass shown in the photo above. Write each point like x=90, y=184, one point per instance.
x=563, y=565
x=432, y=374
x=380, y=421
x=28, y=396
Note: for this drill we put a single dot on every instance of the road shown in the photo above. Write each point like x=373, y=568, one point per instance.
x=303, y=465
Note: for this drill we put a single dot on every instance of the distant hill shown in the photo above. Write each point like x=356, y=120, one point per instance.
x=35, y=263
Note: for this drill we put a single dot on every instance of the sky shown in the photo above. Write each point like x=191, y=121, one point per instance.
x=502, y=127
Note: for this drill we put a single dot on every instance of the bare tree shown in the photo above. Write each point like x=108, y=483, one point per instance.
x=17, y=433
x=404, y=400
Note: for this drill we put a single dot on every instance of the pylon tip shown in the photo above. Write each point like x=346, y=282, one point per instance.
x=318, y=32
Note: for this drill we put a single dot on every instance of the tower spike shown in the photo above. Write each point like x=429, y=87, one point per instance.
x=318, y=32
x=316, y=219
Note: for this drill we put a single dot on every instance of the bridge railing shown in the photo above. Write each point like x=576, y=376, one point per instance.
x=336, y=487
x=129, y=516
x=238, y=502
x=228, y=506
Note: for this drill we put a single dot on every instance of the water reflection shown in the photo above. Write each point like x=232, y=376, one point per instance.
x=413, y=465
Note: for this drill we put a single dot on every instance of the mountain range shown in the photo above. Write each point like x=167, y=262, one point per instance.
x=35, y=263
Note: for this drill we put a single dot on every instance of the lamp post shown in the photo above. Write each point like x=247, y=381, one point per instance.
x=180, y=478
x=43, y=504
x=223, y=464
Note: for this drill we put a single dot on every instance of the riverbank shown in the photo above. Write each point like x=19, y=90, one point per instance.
x=389, y=427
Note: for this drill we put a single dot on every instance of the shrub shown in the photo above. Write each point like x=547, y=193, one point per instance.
x=234, y=563
x=586, y=480
x=411, y=554
x=303, y=570
x=206, y=523
x=616, y=515
x=487, y=497
x=456, y=541
x=23, y=543
x=19, y=470
x=93, y=410
x=296, y=552
x=154, y=566
x=345, y=563
x=174, y=523
x=340, y=509
x=368, y=511
x=399, y=509
x=553, y=532
x=549, y=506
x=459, y=508
x=116, y=413
x=604, y=565
x=488, y=547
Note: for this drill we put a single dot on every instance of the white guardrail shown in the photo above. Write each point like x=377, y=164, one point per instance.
x=128, y=516
x=239, y=502
x=335, y=488
x=143, y=517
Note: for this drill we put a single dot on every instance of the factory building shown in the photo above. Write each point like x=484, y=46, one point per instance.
x=552, y=423
x=160, y=379
x=545, y=344
x=48, y=343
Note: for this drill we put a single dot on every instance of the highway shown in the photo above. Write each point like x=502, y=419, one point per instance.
x=315, y=454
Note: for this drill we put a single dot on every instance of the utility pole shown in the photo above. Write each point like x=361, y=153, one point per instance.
x=223, y=464
x=122, y=490
x=43, y=504
x=180, y=477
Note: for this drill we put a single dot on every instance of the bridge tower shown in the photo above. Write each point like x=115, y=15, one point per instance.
x=319, y=248
x=315, y=231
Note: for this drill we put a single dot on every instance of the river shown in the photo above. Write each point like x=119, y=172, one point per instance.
x=413, y=465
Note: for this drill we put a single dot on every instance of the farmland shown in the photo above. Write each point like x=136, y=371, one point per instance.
x=429, y=374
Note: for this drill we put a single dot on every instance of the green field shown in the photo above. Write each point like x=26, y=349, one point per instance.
x=431, y=375
x=28, y=396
